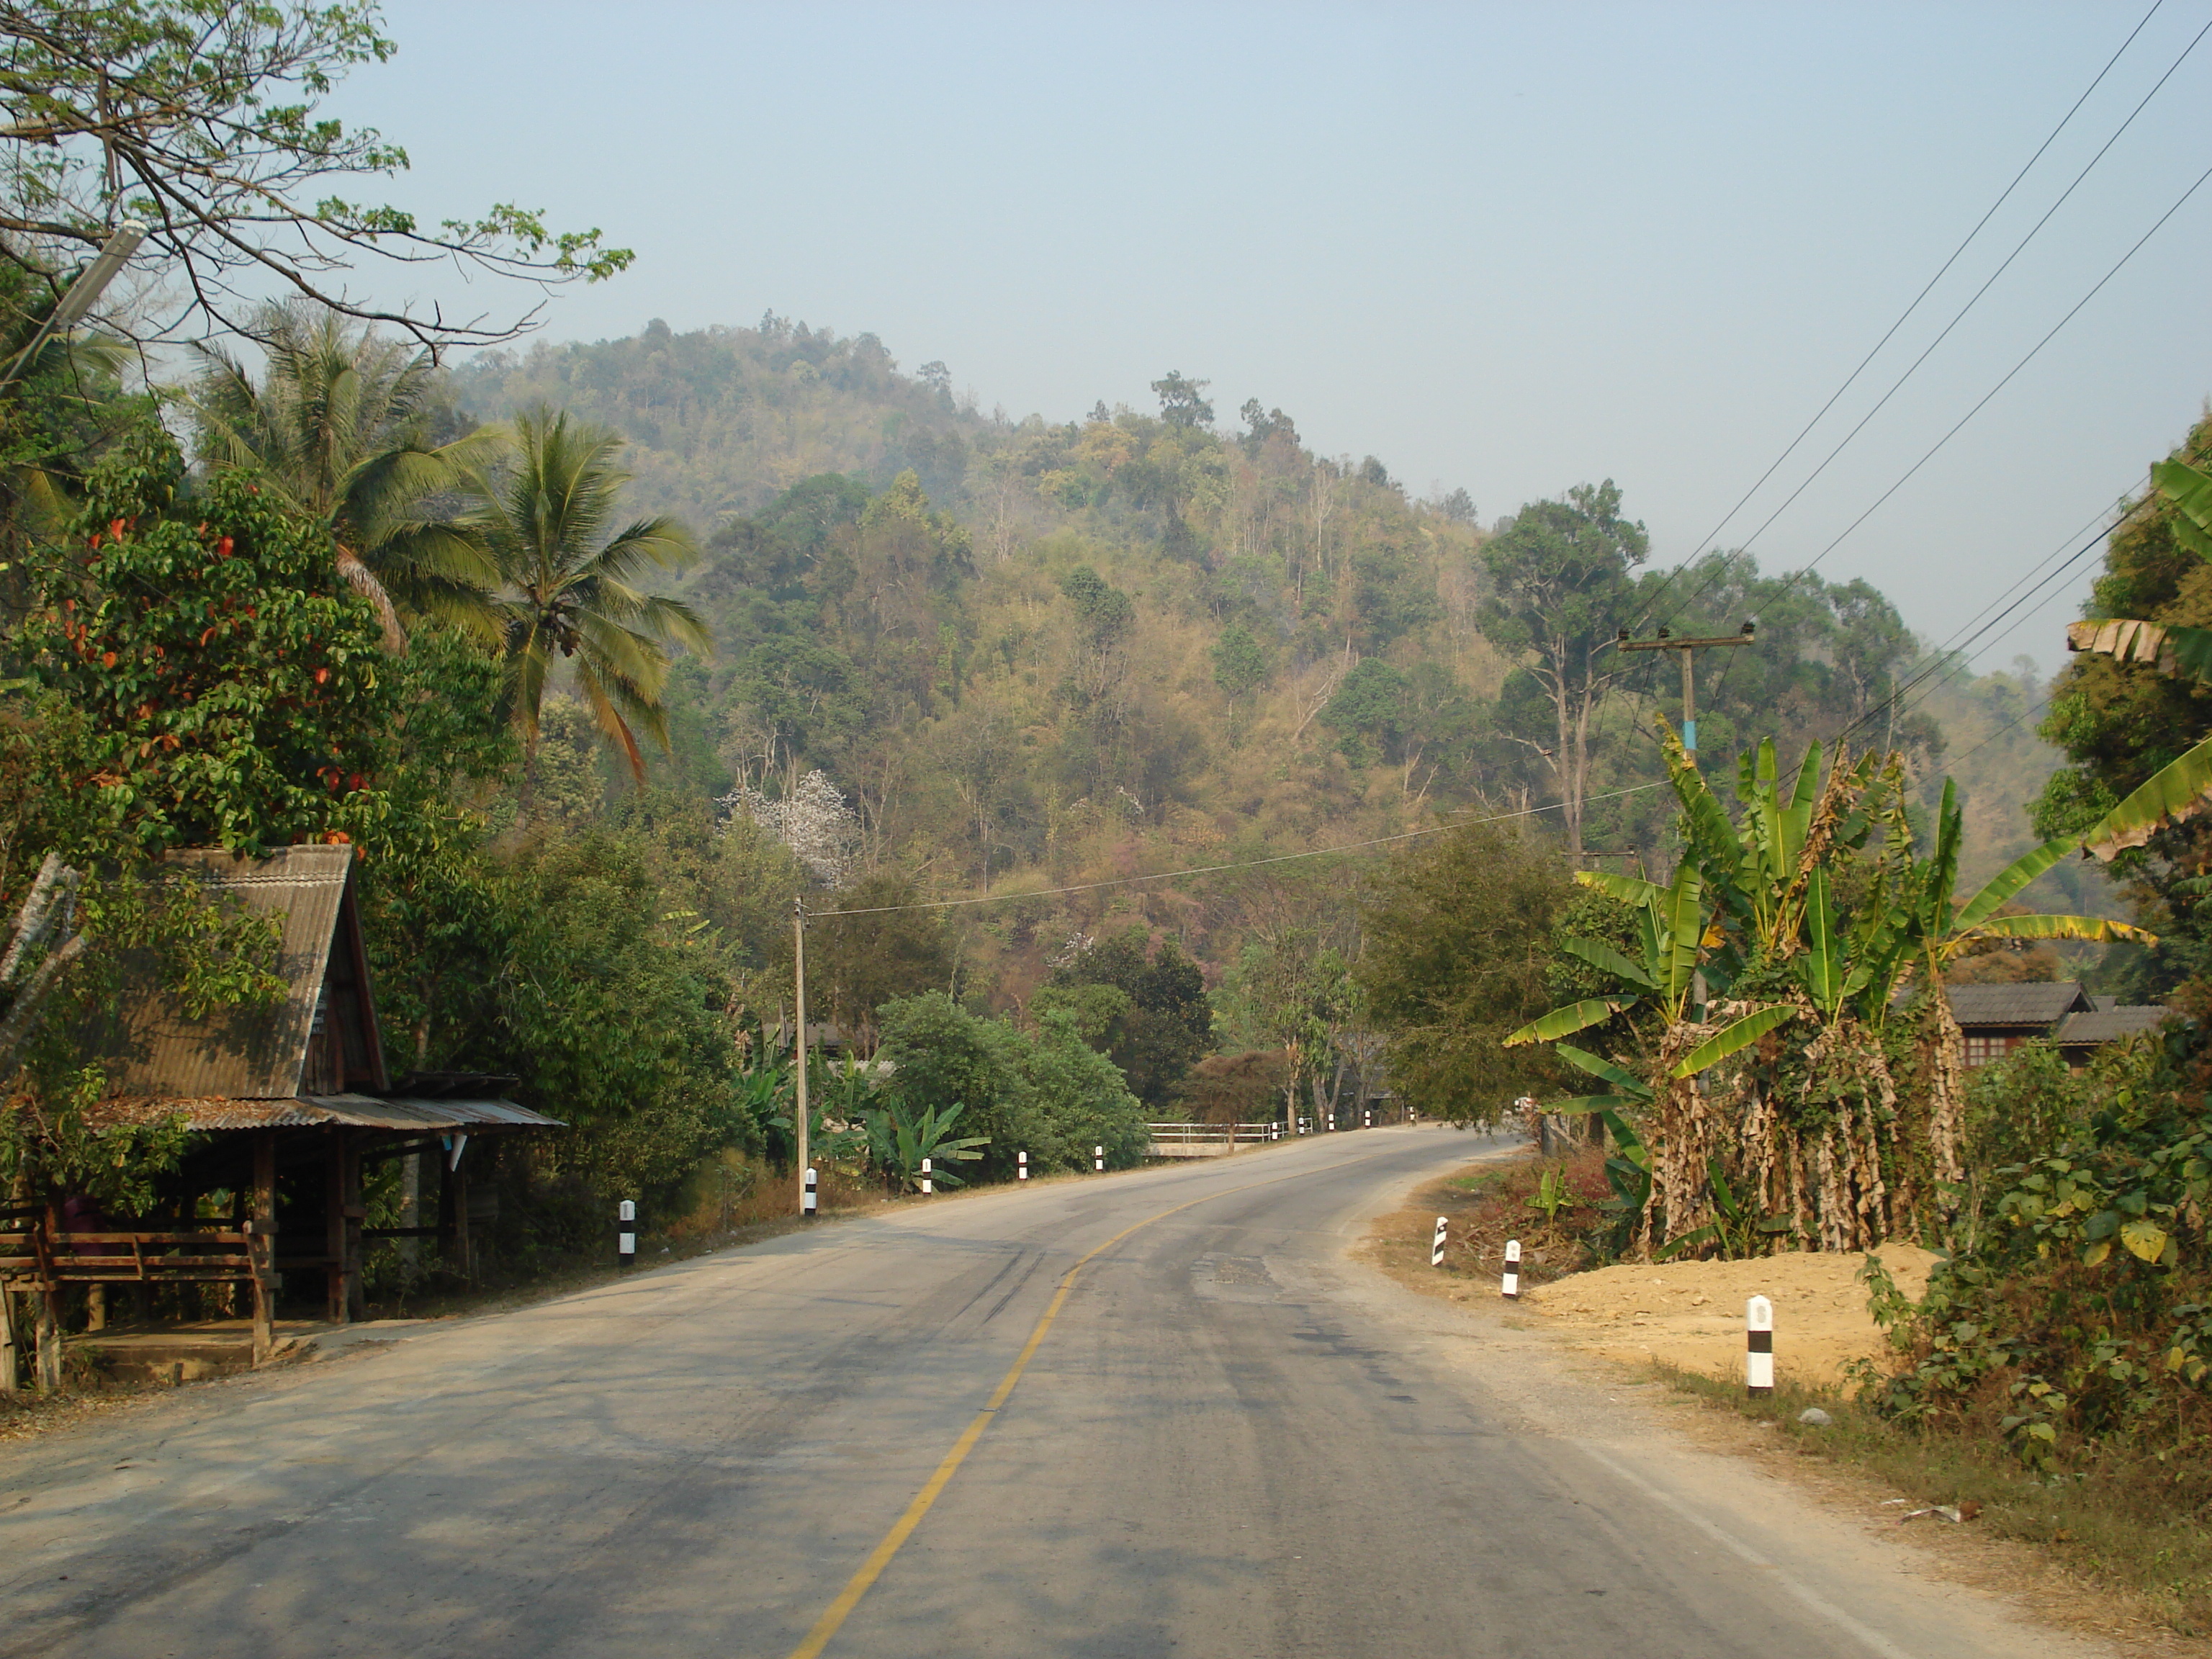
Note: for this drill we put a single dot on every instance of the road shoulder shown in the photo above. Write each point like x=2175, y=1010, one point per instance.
x=1771, y=1495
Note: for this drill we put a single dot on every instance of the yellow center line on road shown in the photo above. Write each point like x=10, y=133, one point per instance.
x=880, y=1557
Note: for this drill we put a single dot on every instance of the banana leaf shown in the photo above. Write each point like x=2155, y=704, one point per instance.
x=1705, y=1235
x=2180, y=653
x=2098, y=928
x=1736, y=1038
x=1629, y=890
x=1606, y=959
x=1822, y=966
x=1806, y=795
x=1566, y=1022
x=1583, y=1060
x=1632, y=1146
x=1713, y=842
x=1585, y=1105
x=1682, y=930
x=1943, y=862
x=2010, y=879
x=2190, y=492
x=2179, y=791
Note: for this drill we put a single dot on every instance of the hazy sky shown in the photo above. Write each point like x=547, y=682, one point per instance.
x=1511, y=248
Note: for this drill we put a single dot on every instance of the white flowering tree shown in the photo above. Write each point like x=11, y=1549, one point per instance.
x=813, y=820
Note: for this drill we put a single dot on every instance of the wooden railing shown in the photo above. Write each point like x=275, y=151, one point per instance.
x=39, y=1260
x=1208, y=1139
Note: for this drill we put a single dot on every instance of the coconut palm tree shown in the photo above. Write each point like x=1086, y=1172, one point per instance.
x=569, y=588
x=339, y=424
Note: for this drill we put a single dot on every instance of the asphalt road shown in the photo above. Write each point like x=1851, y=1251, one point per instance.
x=1222, y=1438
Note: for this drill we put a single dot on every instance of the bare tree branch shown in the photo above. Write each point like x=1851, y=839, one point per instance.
x=201, y=118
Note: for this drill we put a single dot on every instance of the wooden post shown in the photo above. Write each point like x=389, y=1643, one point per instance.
x=11, y=1370
x=357, y=1218
x=43, y=1301
x=411, y=1215
x=49, y=1341
x=261, y=1252
x=458, y=1184
x=334, y=1226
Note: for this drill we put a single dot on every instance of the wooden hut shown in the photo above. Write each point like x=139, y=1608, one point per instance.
x=292, y=1099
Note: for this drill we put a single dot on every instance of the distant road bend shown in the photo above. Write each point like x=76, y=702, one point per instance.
x=915, y=1436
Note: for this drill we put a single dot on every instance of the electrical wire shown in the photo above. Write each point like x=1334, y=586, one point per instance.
x=1952, y=667
x=1788, y=500
x=2010, y=374
x=1945, y=661
x=1245, y=864
x=1851, y=379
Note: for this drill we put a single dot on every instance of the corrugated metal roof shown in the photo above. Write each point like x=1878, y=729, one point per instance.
x=311, y=1111
x=2110, y=1024
x=2044, y=1003
x=242, y=1054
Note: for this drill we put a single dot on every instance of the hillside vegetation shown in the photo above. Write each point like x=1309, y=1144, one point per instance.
x=1036, y=655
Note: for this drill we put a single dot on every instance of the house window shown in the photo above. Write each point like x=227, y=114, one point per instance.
x=1981, y=1050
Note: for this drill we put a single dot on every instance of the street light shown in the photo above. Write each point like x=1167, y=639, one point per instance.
x=80, y=295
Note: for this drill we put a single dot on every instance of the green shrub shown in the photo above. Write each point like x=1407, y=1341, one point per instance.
x=2076, y=1319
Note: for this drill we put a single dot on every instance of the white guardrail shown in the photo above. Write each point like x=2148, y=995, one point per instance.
x=1208, y=1139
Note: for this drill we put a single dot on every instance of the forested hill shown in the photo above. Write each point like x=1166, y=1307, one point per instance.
x=721, y=421
x=1036, y=655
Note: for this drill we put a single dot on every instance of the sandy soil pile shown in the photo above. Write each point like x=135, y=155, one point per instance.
x=1690, y=1314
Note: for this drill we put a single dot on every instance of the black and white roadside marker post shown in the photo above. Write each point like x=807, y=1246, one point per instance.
x=1437, y=1249
x=1367, y=1117
x=626, y=1231
x=928, y=1186
x=1510, y=1286
x=1099, y=1160
x=1021, y=1166
x=808, y=1201
x=1759, y=1347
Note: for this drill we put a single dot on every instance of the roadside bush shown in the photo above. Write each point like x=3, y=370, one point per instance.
x=2076, y=1321
x=1046, y=1092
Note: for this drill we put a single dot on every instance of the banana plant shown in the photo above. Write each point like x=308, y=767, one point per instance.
x=2184, y=789
x=1755, y=904
x=1735, y=1228
x=899, y=1139
x=1670, y=927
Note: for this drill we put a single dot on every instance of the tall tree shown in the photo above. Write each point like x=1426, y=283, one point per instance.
x=1561, y=576
x=202, y=119
x=1459, y=933
x=571, y=589
x=340, y=427
x=1156, y=1028
x=1184, y=403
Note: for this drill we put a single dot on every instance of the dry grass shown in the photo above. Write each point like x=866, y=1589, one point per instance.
x=1484, y=1205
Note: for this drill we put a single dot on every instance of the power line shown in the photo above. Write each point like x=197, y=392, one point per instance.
x=1852, y=377
x=1855, y=431
x=1216, y=869
x=1945, y=661
x=2010, y=374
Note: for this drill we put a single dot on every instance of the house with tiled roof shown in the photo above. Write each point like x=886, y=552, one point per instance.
x=1995, y=1019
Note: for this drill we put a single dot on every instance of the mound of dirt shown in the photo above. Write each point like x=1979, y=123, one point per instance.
x=1690, y=1314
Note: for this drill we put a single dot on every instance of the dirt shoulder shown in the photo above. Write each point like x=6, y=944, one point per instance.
x=2068, y=1559
x=1690, y=1315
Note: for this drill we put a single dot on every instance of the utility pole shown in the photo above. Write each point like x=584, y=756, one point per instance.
x=798, y=977
x=1689, y=648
